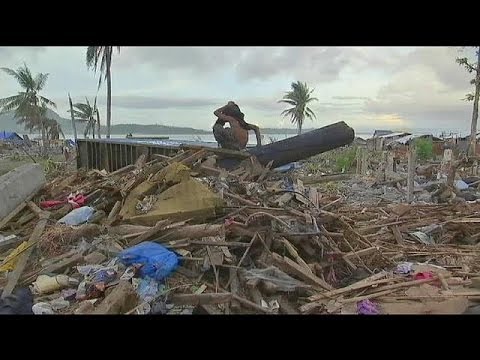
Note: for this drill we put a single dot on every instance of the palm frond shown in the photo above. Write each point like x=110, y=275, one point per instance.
x=45, y=101
x=40, y=81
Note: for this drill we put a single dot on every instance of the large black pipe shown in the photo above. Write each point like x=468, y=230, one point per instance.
x=301, y=146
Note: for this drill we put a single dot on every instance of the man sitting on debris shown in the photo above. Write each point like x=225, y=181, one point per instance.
x=236, y=136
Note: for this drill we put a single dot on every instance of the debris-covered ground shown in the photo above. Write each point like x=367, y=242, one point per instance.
x=181, y=236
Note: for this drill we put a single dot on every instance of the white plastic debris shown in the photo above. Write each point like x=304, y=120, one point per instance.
x=461, y=185
x=42, y=308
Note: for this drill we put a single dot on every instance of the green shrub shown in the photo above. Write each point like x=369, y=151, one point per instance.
x=346, y=159
x=424, y=149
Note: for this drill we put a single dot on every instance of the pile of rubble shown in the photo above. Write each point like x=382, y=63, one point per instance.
x=178, y=235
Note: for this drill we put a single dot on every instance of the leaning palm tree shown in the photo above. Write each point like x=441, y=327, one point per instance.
x=102, y=55
x=86, y=113
x=299, y=98
x=28, y=106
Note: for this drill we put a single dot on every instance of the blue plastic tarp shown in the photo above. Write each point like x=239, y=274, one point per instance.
x=11, y=136
x=157, y=261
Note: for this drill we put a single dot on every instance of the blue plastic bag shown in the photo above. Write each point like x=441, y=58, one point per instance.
x=158, y=262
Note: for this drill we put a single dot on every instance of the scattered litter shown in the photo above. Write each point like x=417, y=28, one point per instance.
x=158, y=262
x=404, y=268
x=77, y=216
x=367, y=307
x=181, y=234
x=42, y=308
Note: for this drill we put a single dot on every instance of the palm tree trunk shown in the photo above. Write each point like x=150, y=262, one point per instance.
x=93, y=127
x=44, y=141
x=473, y=130
x=109, y=93
x=300, y=124
x=98, y=124
x=74, y=127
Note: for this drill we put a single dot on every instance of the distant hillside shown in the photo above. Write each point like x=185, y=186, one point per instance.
x=123, y=129
x=7, y=122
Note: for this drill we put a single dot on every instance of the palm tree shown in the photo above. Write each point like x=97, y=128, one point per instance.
x=86, y=113
x=54, y=129
x=103, y=55
x=299, y=98
x=29, y=107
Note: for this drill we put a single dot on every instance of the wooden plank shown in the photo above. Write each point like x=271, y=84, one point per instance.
x=161, y=157
x=219, y=151
x=123, y=170
x=313, y=196
x=25, y=219
x=286, y=308
x=411, y=174
x=14, y=212
x=255, y=295
x=290, y=267
x=372, y=280
x=180, y=156
x=234, y=287
x=251, y=305
x=159, y=226
x=239, y=198
x=299, y=188
x=363, y=252
x=22, y=262
x=35, y=208
x=9, y=243
x=63, y=264
x=398, y=235
x=307, y=180
x=291, y=250
x=200, y=299
x=192, y=158
x=114, y=212
x=265, y=172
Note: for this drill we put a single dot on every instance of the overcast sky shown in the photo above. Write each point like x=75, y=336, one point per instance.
x=368, y=87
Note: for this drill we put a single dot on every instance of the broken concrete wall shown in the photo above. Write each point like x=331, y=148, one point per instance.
x=19, y=184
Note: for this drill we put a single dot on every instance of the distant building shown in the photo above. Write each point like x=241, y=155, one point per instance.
x=377, y=143
x=400, y=145
x=377, y=133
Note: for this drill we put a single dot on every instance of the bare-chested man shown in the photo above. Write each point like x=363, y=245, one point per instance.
x=235, y=137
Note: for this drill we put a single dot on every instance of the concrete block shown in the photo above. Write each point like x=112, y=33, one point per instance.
x=19, y=184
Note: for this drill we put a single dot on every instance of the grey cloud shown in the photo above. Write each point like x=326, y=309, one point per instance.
x=147, y=102
x=441, y=60
x=197, y=59
x=350, y=98
x=313, y=64
x=16, y=56
x=302, y=63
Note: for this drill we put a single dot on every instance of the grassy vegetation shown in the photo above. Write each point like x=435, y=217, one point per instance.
x=424, y=149
x=346, y=160
x=12, y=162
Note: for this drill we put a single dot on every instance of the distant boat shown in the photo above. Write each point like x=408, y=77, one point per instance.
x=130, y=136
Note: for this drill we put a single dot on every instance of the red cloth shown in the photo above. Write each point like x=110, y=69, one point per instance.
x=75, y=200
x=50, y=203
x=423, y=275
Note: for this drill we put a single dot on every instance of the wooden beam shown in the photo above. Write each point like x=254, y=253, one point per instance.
x=22, y=262
x=14, y=212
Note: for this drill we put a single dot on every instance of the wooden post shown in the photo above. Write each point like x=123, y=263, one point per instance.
x=446, y=162
x=390, y=162
x=359, y=160
x=411, y=172
x=364, y=163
